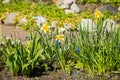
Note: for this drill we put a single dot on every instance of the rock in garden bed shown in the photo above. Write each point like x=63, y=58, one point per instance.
x=108, y=8
x=109, y=25
x=9, y=20
x=5, y=1
x=119, y=8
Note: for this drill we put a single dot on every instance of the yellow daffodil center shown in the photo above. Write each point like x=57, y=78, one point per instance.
x=98, y=14
x=59, y=37
x=45, y=28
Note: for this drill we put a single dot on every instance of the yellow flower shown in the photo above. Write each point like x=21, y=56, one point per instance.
x=45, y=28
x=59, y=37
x=98, y=14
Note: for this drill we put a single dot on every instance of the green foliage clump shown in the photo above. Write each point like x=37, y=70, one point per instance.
x=22, y=58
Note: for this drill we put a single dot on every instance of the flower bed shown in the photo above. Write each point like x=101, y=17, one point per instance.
x=92, y=49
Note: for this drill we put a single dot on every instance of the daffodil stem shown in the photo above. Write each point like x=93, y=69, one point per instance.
x=0, y=34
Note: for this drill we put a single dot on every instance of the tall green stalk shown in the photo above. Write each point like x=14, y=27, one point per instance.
x=0, y=34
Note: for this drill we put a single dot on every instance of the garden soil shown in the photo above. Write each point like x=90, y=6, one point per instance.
x=11, y=32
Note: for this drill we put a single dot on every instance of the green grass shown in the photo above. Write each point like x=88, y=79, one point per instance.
x=0, y=34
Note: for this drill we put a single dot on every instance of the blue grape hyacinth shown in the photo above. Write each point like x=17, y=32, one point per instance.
x=26, y=37
x=77, y=49
x=53, y=56
x=58, y=42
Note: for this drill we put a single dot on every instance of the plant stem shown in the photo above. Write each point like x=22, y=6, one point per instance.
x=0, y=34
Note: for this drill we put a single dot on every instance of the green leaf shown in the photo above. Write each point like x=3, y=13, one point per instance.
x=15, y=68
x=46, y=67
x=26, y=65
x=9, y=64
x=79, y=65
x=39, y=54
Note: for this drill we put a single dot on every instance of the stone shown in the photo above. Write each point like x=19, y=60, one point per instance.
x=9, y=20
x=57, y=2
x=69, y=26
x=60, y=2
x=22, y=21
x=74, y=7
x=46, y=0
x=118, y=21
x=109, y=25
x=53, y=24
x=67, y=11
x=68, y=1
x=61, y=29
x=87, y=7
x=87, y=24
x=108, y=8
x=119, y=8
x=5, y=1
x=40, y=20
x=64, y=6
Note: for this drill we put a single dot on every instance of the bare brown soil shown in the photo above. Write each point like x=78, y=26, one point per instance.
x=11, y=31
